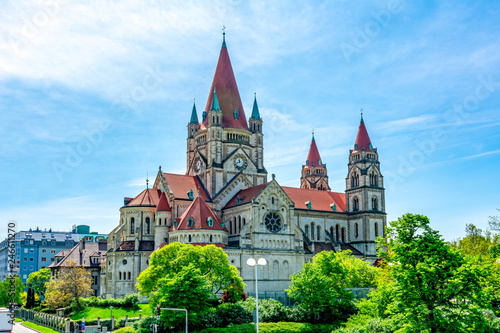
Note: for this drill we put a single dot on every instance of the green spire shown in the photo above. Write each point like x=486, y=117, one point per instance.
x=215, y=102
x=194, y=115
x=223, y=36
x=255, y=110
x=362, y=115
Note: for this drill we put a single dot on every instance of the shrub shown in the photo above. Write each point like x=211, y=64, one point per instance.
x=270, y=310
x=126, y=330
x=127, y=301
x=285, y=327
x=230, y=313
x=244, y=328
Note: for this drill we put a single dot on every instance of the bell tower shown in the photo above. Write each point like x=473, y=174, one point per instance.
x=365, y=194
x=314, y=174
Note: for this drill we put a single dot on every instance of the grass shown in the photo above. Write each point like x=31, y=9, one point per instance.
x=92, y=312
x=39, y=328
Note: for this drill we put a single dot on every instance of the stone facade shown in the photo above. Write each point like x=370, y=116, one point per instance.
x=225, y=199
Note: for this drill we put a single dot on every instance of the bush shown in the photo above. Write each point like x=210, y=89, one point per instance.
x=285, y=327
x=126, y=330
x=127, y=301
x=245, y=328
x=230, y=313
x=270, y=310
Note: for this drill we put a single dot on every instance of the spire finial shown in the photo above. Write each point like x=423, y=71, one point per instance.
x=223, y=36
x=147, y=180
x=361, y=114
x=313, y=133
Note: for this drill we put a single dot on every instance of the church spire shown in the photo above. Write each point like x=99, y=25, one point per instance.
x=313, y=157
x=215, y=102
x=363, y=141
x=194, y=115
x=233, y=114
x=255, y=109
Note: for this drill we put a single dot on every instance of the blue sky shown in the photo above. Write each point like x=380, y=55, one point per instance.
x=96, y=95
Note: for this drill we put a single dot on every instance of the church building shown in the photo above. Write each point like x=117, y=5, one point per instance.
x=226, y=198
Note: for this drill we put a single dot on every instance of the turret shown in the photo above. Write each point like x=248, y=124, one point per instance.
x=314, y=174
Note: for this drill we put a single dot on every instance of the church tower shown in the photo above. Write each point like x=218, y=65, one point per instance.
x=314, y=174
x=222, y=146
x=365, y=194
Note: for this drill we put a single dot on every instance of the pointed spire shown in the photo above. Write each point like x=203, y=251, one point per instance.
x=223, y=36
x=227, y=92
x=313, y=157
x=215, y=102
x=194, y=114
x=255, y=110
x=363, y=141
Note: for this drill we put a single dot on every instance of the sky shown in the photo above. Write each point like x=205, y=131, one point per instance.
x=96, y=95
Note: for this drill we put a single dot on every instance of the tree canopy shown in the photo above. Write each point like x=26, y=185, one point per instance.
x=321, y=286
x=70, y=285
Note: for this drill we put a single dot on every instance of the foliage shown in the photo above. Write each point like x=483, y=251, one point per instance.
x=37, y=280
x=494, y=222
x=10, y=291
x=360, y=323
x=476, y=241
x=126, y=330
x=435, y=288
x=286, y=327
x=270, y=310
x=245, y=328
x=71, y=284
x=169, y=261
x=320, y=287
x=127, y=301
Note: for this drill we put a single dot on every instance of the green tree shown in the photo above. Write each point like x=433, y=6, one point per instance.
x=435, y=288
x=36, y=281
x=70, y=285
x=168, y=261
x=10, y=291
x=475, y=242
x=494, y=222
x=320, y=287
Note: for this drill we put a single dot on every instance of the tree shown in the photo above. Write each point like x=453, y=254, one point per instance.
x=475, y=242
x=184, y=275
x=494, y=222
x=435, y=288
x=70, y=285
x=320, y=287
x=36, y=282
x=169, y=261
x=10, y=291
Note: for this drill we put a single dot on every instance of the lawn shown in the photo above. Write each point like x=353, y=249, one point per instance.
x=92, y=312
x=39, y=328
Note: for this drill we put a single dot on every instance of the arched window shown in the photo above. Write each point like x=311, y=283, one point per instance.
x=337, y=233
x=375, y=203
x=373, y=178
x=129, y=276
x=211, y=239
x=190, y=222
x=355, y=204
x=343, y=234
x=306, y=229
x=189, y=239
x=132, y=225
x=376, y=229
x=210, y=222
x=312, y=231
x=148, y=225
x=355, y=180
x=318, y=232
x=119, y=275
x=239, y=223
x=356, y=230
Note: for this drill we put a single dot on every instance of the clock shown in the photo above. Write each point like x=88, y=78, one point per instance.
x=240, y=163
x=273, y=222
x=197, y=166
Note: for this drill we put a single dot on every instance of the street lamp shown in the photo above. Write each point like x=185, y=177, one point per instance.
x=112, y=319
x=252, y=263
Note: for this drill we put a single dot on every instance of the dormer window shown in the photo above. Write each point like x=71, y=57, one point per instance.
x=235, y=114
x=210, y=222
x=190, y=222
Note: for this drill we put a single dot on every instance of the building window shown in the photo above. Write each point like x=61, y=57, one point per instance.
x=374, y=203
x=89, y=238
x=312, y=231
x=337, y=233
x=356, y=230
x=306, y=230
x=53, y=243
x=354, y=180
x=129, y=276
x=132, y=225
x=119, y=275
x=25, y=259
x=44, y=251
x=211, y=239
x=376, y=229
x=32, y=259
x=343, y=234
x=235, y=114
x=32, y=250
x=373, y=179
x=355, y=204
x=148, y=225
x=190, y=222
x=52, y=251
x=44, y=259
x=210, y=223
x=189, y=239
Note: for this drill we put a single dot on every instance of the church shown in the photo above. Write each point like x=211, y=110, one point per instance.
x=226, y=198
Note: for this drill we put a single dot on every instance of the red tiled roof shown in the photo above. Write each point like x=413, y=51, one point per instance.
x=181, y=184
x=227, y=92
x=148, y=197
x=199, y=212
x=163, y=205
x=245, y=196
x=313, y=158
x=363, y=141
x=321, y=200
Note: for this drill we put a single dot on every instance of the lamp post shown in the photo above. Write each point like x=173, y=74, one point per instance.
x=112, y=319
x=252, y=263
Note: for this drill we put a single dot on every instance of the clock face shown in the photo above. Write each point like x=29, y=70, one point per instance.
x=240, y=163
x=198, y=165
x=273, y=222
